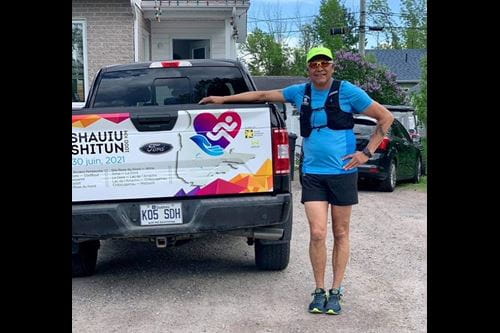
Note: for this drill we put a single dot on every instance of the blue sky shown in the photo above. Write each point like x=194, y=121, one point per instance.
x=260, y=10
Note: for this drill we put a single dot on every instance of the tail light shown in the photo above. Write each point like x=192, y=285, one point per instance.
x=171, y=64
x=384, y=145
x=281, y=151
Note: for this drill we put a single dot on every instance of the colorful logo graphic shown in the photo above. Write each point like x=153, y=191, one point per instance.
x=215, y=134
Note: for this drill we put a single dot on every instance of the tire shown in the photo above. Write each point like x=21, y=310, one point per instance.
x=275, y=255
x=389, y=184
x=272, y=256
x=84, y=259
x=418, y=171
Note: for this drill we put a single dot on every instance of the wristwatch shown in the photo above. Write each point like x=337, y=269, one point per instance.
x=367, y=152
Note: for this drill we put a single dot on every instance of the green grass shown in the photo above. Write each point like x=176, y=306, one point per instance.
x=420, y=186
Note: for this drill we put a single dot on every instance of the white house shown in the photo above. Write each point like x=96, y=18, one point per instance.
x=107, y=32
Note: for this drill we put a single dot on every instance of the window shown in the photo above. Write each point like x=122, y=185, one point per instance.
x=172, y=91
x=399, y=131
x=79, y=62
x=405, y=133
x=166, y=86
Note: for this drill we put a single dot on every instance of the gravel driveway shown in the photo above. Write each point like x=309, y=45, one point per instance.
x=212, y=285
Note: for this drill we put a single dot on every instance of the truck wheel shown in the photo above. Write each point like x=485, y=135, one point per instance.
x=84, y=258
x=272, y=256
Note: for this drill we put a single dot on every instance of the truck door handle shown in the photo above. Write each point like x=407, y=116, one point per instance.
x=154, y=122
x=154, y=119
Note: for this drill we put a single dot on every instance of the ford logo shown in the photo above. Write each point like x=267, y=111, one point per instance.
x=156, y=148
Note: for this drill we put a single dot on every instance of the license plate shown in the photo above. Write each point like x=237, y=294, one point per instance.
x=163, y=213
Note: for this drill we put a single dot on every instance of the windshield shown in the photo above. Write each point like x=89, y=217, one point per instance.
x=166, y=86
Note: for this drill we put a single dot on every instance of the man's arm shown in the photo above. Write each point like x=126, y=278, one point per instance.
x=250, y=96
x=384, y=120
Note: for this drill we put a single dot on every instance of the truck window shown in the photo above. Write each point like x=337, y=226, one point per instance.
x=171, y=91
x=166, y=86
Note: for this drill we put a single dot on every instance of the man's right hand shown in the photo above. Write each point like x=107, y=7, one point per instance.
x=212, y=100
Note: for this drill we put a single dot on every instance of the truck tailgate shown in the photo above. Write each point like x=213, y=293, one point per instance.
x=122, y=155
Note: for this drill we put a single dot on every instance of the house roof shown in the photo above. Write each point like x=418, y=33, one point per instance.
x=404, y=63
x=277, y=82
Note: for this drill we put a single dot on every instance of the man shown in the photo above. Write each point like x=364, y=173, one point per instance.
x=330, y=161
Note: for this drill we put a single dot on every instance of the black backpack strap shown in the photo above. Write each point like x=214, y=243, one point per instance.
x=333, y=94
x=305, y=112
x=307, y=95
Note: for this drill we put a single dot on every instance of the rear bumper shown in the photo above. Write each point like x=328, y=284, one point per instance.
x=122, y=220
x=372, y=171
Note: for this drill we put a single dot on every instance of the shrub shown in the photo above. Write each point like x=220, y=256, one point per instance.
x=379, y=83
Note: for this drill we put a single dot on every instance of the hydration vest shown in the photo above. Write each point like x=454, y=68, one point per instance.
x=336, y=118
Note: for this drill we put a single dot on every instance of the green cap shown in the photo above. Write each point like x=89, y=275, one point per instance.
x=315, y=51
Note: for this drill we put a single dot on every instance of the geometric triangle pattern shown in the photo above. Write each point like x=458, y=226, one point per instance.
x=85, y=120
x=266, y=169
x=262, y=181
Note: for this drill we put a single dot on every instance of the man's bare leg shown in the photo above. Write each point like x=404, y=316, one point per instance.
x=341, y=216
x=317, y=215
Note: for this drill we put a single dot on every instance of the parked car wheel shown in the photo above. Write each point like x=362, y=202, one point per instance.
x=389, y=184
x=418, y=171
x=84, y=258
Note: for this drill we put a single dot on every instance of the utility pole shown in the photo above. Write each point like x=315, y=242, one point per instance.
x=362, y=26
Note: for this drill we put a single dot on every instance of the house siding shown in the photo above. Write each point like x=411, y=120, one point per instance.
x=143, y=25
x=163, y=32
x=110, y=32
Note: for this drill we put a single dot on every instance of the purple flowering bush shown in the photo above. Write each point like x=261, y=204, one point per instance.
x=378, y=82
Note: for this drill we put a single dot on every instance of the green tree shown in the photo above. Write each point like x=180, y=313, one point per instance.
x=377, y=81
x=308, y=39
x=267, y=57
x=298, y=62
x=380, y=14
x=414, y=16
x=419, y=99
x=332, y=14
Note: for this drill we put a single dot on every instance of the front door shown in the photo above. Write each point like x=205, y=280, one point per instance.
x=191, y=49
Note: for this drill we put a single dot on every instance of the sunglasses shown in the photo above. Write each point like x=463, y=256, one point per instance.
x=317, y=64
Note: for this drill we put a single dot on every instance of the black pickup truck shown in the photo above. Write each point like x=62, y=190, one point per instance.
x=149, y=163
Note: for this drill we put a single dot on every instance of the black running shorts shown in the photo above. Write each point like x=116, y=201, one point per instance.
x=339, y=190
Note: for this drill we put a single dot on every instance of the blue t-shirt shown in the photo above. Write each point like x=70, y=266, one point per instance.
x=324, y=148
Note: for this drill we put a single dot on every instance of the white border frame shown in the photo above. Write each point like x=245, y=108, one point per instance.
x=85, y=61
